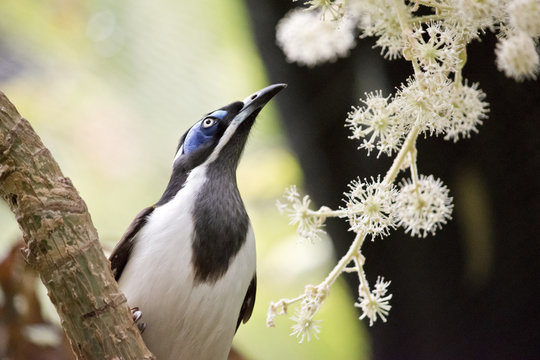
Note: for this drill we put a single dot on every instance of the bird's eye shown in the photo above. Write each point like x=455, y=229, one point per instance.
x=208, y=122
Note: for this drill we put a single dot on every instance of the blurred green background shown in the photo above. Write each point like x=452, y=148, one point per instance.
x=110, y=86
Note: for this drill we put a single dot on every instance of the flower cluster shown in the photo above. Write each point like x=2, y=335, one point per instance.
x=305, y=326
x=435, y=47
x=516, y=51
x=370, y=207
x=435, y=100
x=524, y=16
x=421, y=205
x=309, y=223
x=309, y=40
x=467, y=111
x=376, y=124
x=517, y=57
x=374, y=303
x=424, y=206
x=380, y=19
x=473, y=18
x=311, y=37
x=333, y=7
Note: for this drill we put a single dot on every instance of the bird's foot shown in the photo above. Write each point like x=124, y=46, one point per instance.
x=137, y=315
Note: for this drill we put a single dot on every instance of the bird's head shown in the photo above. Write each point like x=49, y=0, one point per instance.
x=222, y=133
x=217, y=139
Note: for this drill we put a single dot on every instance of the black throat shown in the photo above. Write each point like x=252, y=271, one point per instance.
x=219, y=216
x=221, y=223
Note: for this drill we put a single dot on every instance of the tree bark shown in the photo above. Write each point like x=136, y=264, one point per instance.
x=62, y=245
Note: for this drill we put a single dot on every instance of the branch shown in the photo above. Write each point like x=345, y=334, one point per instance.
x=62, y=245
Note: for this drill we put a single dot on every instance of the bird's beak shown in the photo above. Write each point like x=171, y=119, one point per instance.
x=251, y=107
x=257, y=100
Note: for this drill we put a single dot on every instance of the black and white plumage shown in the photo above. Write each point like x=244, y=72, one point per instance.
x=188, y=262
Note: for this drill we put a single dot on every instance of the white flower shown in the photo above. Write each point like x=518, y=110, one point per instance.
x=525, y=16
x=425, y=101
x=305, y=326
x=307, y=39
x=291, y=194
x=309, y=222
x=370, y=207
x=379, y=18
x=468, y=111
x=482, y=13
x=472, y=17
x=381, y=287
x=435, y=48
x=376, y=124
x=375, y=303
x=517, y=57
x=424, y=208
x=334, y=7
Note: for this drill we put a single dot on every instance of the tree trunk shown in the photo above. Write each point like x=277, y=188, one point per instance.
x=62, y=245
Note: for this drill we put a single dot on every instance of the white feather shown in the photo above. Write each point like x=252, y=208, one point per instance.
x=185, y=321
x=178, y=153
x=228, y=134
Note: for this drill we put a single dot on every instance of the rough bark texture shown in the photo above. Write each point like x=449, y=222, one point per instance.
x=62, y=245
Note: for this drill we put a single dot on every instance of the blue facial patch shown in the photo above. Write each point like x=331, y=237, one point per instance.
x=202, y=132
x=220, y=114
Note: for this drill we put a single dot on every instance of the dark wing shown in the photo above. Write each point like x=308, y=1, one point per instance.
x=249, y=302
x=120, y=255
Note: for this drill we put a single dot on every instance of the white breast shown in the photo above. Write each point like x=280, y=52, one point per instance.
x=185, y=321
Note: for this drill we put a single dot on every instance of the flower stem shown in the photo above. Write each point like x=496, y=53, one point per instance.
x=408, y=146
x=431, y=3
x=414, y=168
x=354, y=249
x=351, y=254
x=326, y=213
x=425, y=19
x=362, y=278
x=403, y=15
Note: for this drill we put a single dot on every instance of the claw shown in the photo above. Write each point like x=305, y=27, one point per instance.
x=137, y=315
x=141, y=326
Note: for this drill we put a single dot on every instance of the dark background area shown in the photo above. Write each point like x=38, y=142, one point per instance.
x=471, y=291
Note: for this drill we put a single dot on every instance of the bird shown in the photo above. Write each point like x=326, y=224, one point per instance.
x=188, y=261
